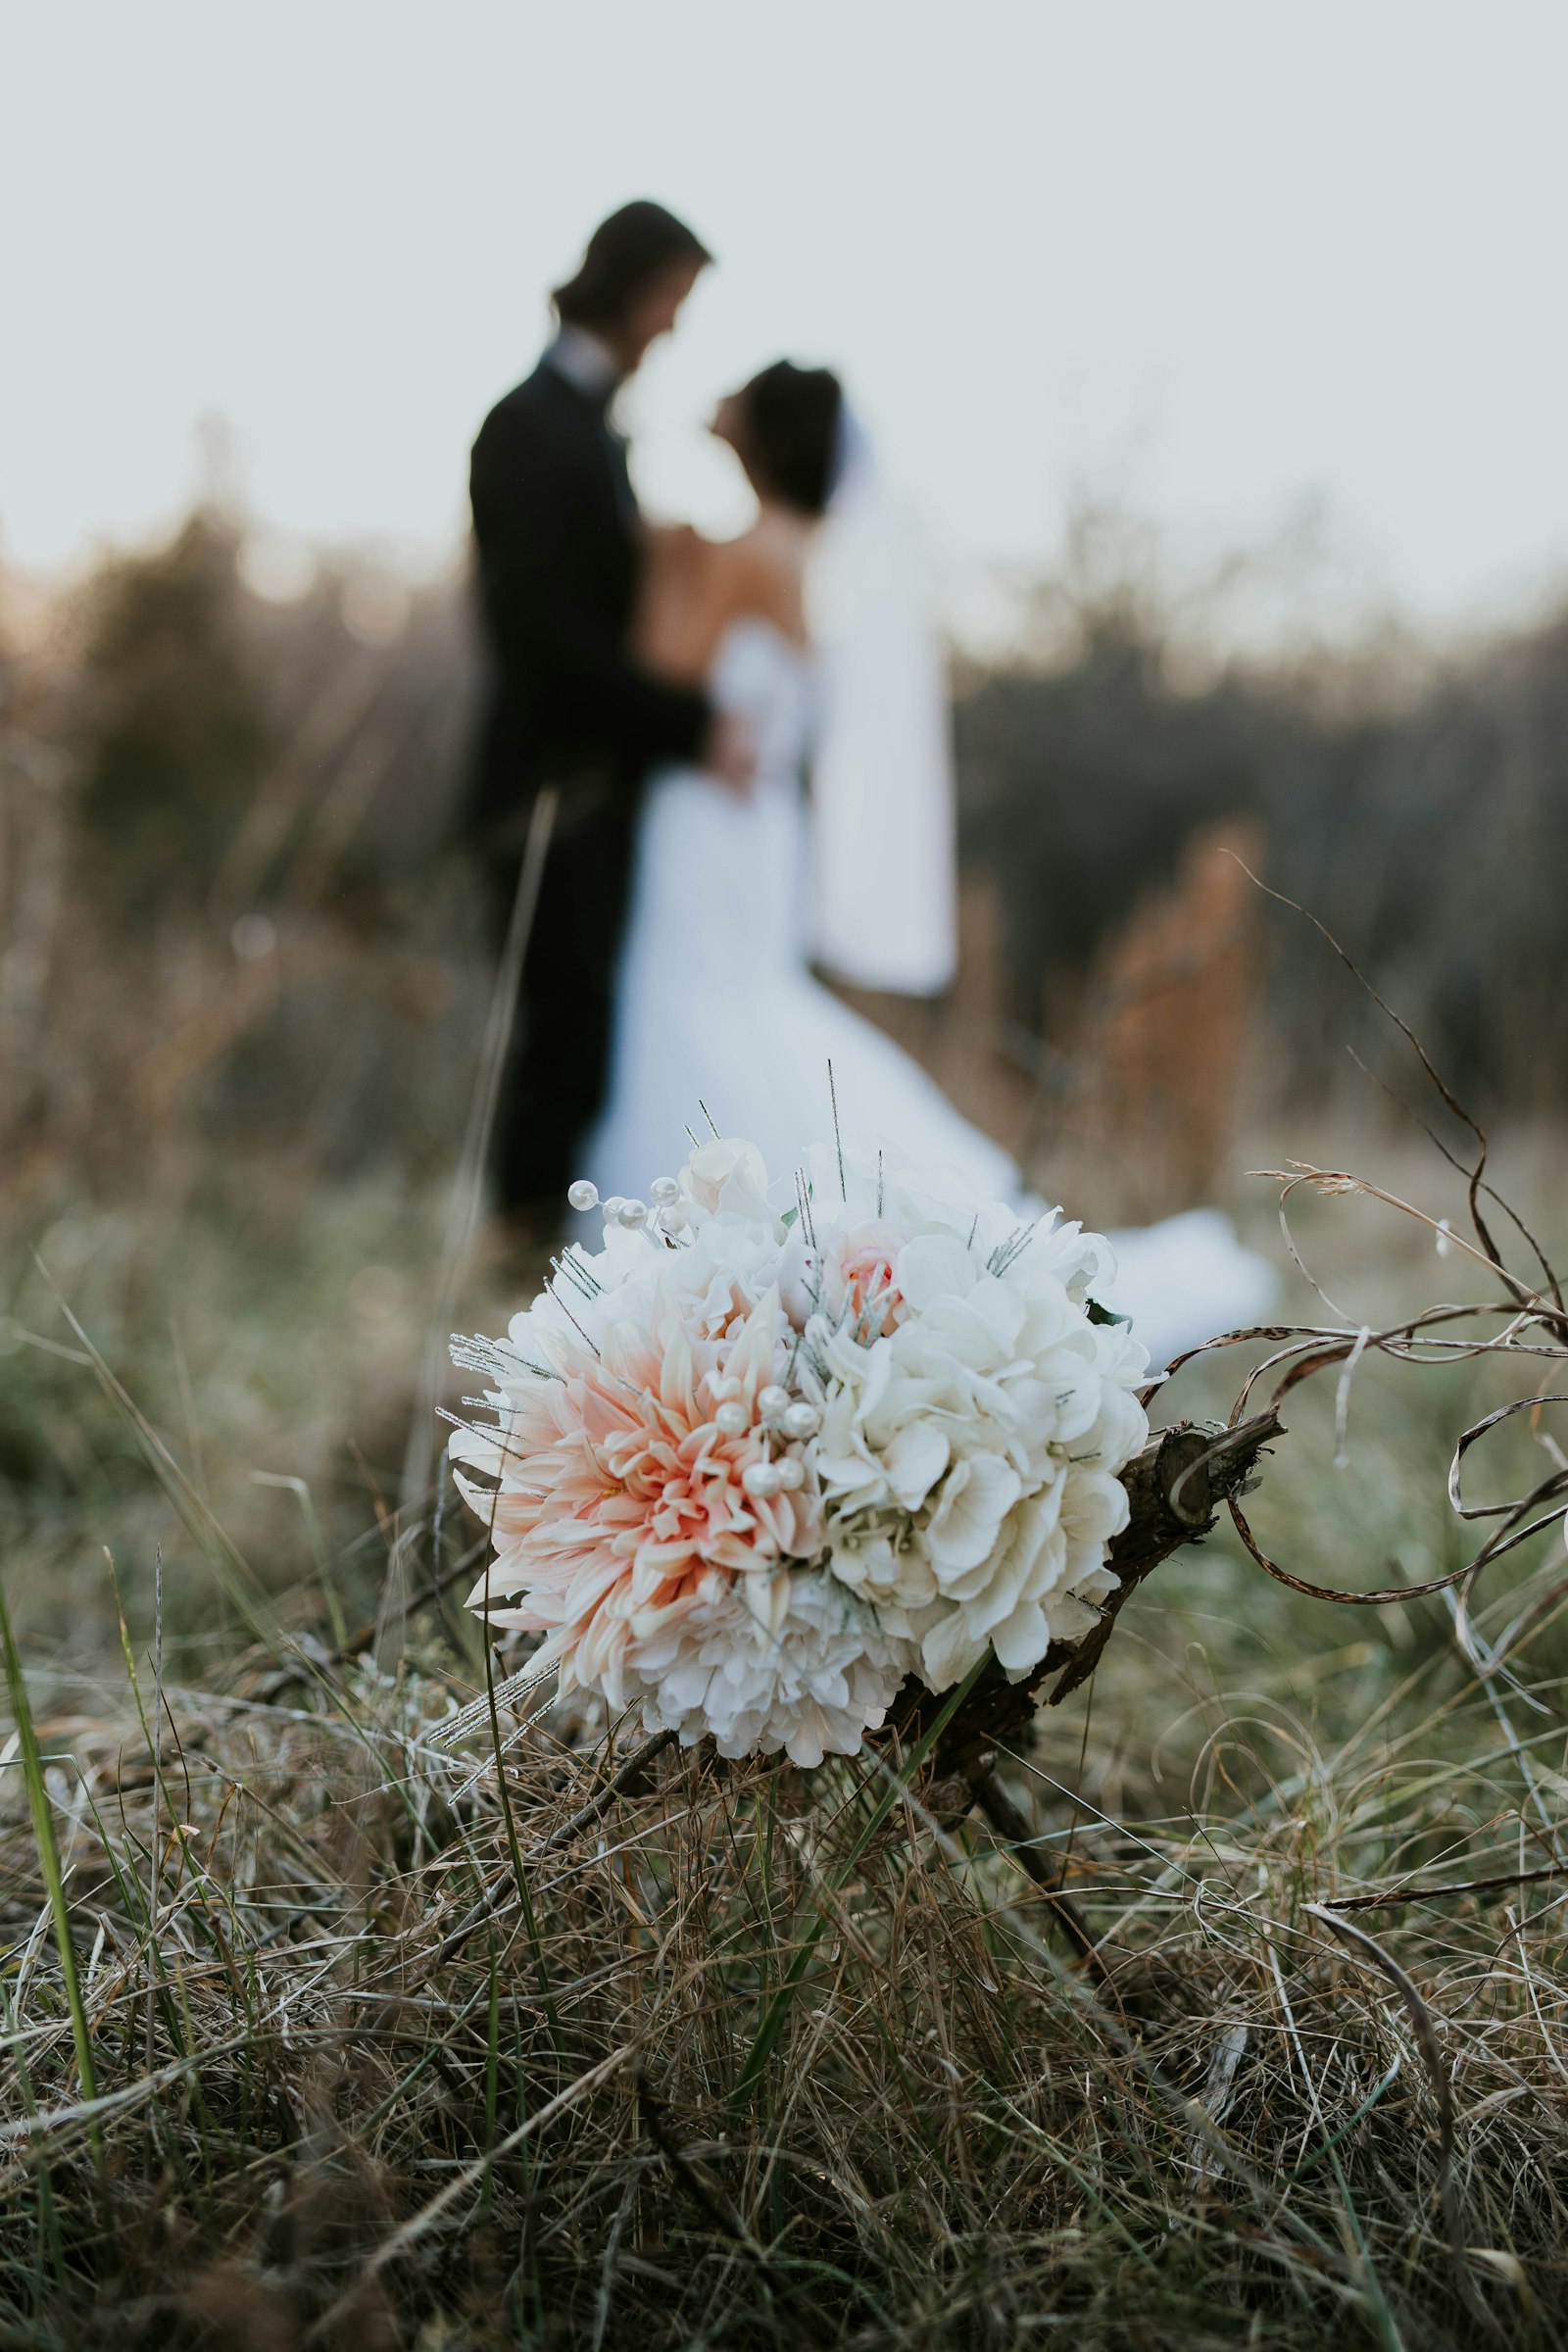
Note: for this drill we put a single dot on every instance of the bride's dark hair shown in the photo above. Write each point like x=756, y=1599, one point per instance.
x=790, y=427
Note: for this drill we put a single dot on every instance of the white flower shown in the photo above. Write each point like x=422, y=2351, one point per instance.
x=727, y=1178
x=813, y=1687
x=933, y=1478
x=974, y=1417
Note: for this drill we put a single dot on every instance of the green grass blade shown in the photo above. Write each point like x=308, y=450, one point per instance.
x=44, y=1830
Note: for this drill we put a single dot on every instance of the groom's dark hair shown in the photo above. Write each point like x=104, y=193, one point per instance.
x=623, y=255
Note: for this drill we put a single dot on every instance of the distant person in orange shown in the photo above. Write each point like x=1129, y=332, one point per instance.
x=559, y=546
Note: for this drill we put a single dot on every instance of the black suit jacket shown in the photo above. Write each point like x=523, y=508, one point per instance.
x=558, y=540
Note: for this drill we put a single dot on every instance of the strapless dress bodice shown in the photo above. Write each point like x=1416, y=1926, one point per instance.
x=769, y=680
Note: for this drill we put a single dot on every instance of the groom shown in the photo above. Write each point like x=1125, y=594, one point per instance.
x=558, y=543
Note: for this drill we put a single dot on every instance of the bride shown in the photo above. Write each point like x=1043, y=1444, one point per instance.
x=719, y=1024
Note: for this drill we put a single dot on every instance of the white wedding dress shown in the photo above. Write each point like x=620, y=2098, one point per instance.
x=718, y=1018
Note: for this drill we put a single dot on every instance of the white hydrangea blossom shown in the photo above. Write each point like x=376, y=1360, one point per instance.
x=975, y=1418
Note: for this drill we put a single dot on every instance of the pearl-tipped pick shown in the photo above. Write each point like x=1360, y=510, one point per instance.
x=583, y=1194
x=773, y=1404
x=631, y=1214
x=663, y=1190
x=732, y=1419
x=762, y=1479
x=803, y=1421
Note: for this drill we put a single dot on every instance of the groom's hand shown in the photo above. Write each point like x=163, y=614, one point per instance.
x=731, y=752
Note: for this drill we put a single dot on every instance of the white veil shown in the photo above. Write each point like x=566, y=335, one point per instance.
x=883, y=856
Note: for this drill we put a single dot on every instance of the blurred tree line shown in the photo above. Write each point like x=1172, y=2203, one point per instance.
x=1422, y=817
x=230, y=743
x=220, y=820
x=257, y=797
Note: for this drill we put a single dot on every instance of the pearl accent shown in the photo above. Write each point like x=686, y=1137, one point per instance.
x=791, y=1473
x=582, y=1194
x=611, y=1205
x=673, y=1220
x=663, y=1190
x=773, y=1402
x=631, y=1214
x=732, y=1419
x=802, y=1421
x=762, y=1479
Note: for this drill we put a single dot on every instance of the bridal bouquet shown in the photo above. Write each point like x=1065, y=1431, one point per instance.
x=765, y=1453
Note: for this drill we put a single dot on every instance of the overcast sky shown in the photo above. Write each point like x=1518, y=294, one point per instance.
x=1219, y=256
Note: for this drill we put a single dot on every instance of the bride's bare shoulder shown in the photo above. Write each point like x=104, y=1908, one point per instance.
x=674, y=555
x=679, y=587
x=761, y=574
x=694, y=588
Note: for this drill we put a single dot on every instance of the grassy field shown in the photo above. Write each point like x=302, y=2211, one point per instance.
x=319, y=2031
x=320, y=2028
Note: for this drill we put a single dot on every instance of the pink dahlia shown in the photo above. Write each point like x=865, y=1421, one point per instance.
x=620, y=1497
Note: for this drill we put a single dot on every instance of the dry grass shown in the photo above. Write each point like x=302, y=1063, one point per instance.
x=314, y=2122
x=752, y=2057
x=320, y=2031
